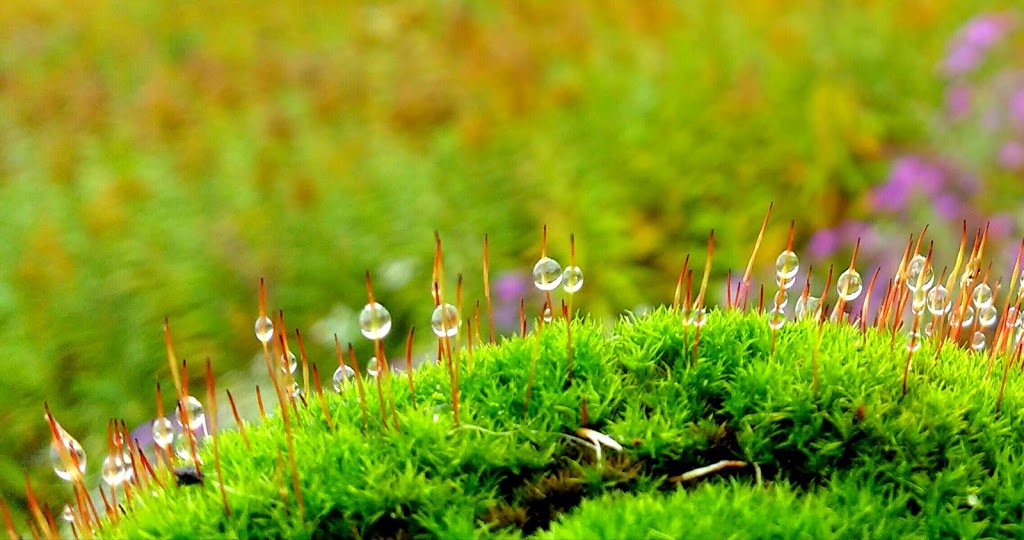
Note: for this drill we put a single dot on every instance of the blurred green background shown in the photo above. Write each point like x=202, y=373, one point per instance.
x=158, y=158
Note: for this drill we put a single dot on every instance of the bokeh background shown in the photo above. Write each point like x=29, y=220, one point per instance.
x=158, y=158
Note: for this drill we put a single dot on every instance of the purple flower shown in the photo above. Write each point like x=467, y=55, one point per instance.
x=511, y=286
x=908, y=174
x=1011, y=155
x=823, y=243
x=947, y=206
x=1000, y=226
x=958, y=101
x=975, y=39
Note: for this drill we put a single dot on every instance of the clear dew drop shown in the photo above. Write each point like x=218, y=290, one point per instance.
x=196, y=415
x=982, y=295
x=183, y=449
x=968, y=317
x=987, y=315
x=781, y=299
x=1012, y=318
x=938, y=301
x=776, y=318
x=547, y=315
x=445, y=320
x=849, y=285
x=67, y=514
x=572, y=279
x=978, y=341
x=264, y=329
x=75, y=451
x=113, y=469
x=699, y=317
x=929, y=328
x=341, y=376
x=375, y=321
x=373, y=367
x=547, y=274
x=163, y=432
x=920, y=271
x=805, y=308
x=289, y=365
x=972, y=500
x=919, y=301
x=913, y=341
x=786, y=265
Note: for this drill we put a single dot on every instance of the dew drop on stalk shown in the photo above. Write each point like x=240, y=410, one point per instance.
x=699, y=317
x=67, y=514
x=919, y=301
x=375, y=321
x=572, y=279
x=805, y=308
x=75, y=451
x=163, y=432
x=112, y=470
x=987, y=315
x=781, y=299
x=849, y=285
x=968, y=317
x=919, y=270
x=786, y=266
x=547, y=274
x=196, y=415
x=982, y=295
x=913, y=341
x=445, y=320
x=776, y=318
x=341, y=376
x=929, y=328
x=288, y=363
x=978, y=341
x=938, y=301
x=1012, y=318
x=264, y=329
x=372, y=367
x=547, y=314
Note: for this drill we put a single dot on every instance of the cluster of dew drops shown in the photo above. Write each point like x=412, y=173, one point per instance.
x=926, y=295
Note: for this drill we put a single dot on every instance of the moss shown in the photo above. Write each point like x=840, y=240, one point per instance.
x=855, y=458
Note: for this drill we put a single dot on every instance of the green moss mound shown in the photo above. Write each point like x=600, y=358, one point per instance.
x=855, y=458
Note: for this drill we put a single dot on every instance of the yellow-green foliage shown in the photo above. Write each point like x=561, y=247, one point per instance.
x=855, y=459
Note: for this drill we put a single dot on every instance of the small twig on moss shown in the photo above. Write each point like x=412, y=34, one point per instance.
x=701, y=472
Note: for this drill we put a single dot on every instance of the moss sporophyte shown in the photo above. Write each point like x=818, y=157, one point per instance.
x=747, y=420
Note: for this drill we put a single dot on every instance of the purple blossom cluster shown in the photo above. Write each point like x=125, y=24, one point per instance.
x=979, y=141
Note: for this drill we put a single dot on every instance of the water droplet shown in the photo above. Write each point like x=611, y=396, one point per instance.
x=913, y=341
x=67, y=514
x=375, y=321
x=445, y=320
x=441, y=409
x=982, y=295
x=163, y=432
x=341, y=376
x=786, y=265
x=372, y=369
x=296, y=391
x=987, y=315
x=290, y=365
x=547, y=274
x=978, y=341
x=547, y=314
x=1012, y=318
x=776, y=318
x=806, y=308
x=972, y=500
x=919, y=301
x=929, y=328
x=113, y=469
x=196, y=416
x=264, y=329
x=919, y=270
x=938, y=301
x=183, y=449
x=781, y=299
x=849, y=285
x=75, y=451
x=968, y=317
x=699, y=317
x=572, y=279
